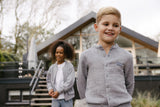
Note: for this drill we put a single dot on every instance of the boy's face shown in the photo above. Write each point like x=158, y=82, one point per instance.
x=108, y=27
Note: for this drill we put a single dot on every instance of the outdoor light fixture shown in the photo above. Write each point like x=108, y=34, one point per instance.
x=20, y=70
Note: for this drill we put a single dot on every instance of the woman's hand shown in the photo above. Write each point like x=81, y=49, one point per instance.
x=51, y=92
x=55, y=95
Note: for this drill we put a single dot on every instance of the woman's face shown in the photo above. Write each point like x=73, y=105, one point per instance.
x=59, y=55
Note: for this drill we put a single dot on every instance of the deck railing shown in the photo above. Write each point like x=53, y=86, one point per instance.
x=142, y=66
x=147, y=66
x=39, y=70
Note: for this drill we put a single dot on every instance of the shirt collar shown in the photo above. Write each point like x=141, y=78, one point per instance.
x=100, y=46
x=61, y=63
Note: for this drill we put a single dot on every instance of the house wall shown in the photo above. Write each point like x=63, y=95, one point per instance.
x=142, y=84
x=147, y=83
x=11, y=84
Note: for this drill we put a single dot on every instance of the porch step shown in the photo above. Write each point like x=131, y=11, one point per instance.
x=43, y=78
x=42, y=86
x=41, y=104
x=41, y=94
x=42, y=81
x=41, y=99
x=37, y=90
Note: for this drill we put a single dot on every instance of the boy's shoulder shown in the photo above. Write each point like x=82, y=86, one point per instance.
x=125, y=52
x=88, y=51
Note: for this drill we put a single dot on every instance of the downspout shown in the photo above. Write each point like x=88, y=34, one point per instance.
x=158, y=54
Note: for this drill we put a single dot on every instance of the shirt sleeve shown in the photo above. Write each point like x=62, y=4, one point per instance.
x=69, y=82
x=48, y=78
x=82, y=76
x=129, y=76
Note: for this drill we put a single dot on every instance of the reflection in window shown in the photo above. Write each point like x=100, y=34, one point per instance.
x=123, y=42
x=75, y=62
x=18, y=95
x=74, y=40
x=14, y=95
x=88, y=29
x=145, y=56
x=89, y=41
x=25, y=95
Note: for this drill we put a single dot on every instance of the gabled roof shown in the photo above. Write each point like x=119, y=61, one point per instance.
x=139, y=38
x=67, y=31
x=130, y=34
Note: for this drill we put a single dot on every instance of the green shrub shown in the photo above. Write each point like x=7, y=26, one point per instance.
x=6, y=56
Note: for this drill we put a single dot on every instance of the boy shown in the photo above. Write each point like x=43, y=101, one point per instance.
x=105, y=72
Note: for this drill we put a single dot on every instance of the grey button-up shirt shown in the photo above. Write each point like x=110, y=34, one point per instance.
x=106, y=78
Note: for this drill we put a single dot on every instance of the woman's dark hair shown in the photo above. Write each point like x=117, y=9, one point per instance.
x=68, y=50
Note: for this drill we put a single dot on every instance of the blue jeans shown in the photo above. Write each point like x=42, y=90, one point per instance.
x=101, y=105
x=62, y=103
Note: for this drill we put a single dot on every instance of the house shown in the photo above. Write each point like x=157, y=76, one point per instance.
x=82, y=35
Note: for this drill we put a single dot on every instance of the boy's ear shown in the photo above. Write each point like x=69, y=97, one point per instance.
x=96, y=27
x=120, y=29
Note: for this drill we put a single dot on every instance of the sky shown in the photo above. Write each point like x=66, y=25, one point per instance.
x=142, y=16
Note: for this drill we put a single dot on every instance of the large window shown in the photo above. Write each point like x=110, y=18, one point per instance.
x=145, y=55
x=18, y=95
x=82, y=40
x=124, y=42
x=89, y=36
x=88, y=29
x=14, y=95
x=75, y=41
x=75, y=62
x=89, y=41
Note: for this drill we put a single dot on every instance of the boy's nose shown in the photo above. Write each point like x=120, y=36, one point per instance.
x=110, y=27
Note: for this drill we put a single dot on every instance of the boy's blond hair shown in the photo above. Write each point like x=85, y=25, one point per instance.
x=107, y=11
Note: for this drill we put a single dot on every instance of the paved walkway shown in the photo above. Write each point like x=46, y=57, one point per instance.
x=80, y=103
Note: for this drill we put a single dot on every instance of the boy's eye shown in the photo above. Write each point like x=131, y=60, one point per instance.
x=106, y=24
x=116, y=25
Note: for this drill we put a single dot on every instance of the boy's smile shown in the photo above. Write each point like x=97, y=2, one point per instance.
x=108, y=27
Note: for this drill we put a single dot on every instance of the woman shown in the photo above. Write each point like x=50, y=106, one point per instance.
x=61, y=75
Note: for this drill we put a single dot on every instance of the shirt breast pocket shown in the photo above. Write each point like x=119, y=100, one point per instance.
x=117, y=68
x=117, y=73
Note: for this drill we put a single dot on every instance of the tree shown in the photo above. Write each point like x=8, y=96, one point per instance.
x=27, y=24
x=6, y=56
x=24, y=32
x=1, y=16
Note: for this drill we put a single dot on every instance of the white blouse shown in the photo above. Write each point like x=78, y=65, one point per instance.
x=59, y=79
